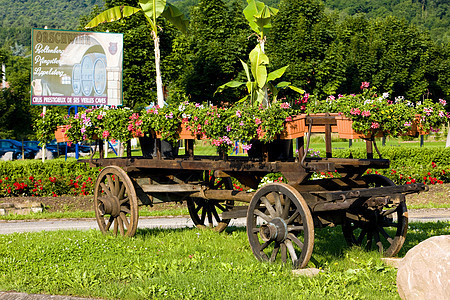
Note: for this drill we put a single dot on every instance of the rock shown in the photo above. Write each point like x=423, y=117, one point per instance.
x=424, y=272
x=392, y=261
x=8, y=156
x=48, y=155
x=310, y=272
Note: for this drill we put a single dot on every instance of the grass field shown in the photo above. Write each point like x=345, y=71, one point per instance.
x=192, y=264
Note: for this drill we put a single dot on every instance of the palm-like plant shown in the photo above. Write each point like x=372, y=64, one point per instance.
x=152, y=9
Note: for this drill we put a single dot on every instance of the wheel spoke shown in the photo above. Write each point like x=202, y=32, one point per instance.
x=215, y=214
x=264, y=246
x=116, y=226
x=200, y=205
x=283, y=252
x=124, y=219
x=124, y=200
x=269, y=207
x=210, y=217
x=203, y=217
x=369, y=239
x=121, y=193
x=295, y=228
x=120, y=222
x=262, y=215
x=361, y=237
x=108, y=225
x=378, y=242
x=125, y=209
x=287, y=206
x=116, y=185
x=385, y=234
x=388, y=212
x=293, y=217
x=219, y=206
x=106, y=189
x=278, y=206
x=291, y=250
x=293, y=238
x=275, y=251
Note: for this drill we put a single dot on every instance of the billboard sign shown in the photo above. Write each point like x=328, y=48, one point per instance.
x=76, y=68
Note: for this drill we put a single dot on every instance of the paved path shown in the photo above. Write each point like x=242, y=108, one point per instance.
x=8, y=227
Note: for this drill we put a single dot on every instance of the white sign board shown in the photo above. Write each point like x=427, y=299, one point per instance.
x=76, y=68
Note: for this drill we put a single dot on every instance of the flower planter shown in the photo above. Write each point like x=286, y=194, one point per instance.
x=345, y=129
x=416, y=128
x=321, y=128
x=295, y=128
x=60, y=134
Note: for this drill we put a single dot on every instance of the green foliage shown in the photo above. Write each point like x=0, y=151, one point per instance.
x=46, y=126
x=19, y=16
x=52, y=178
x=192, y=264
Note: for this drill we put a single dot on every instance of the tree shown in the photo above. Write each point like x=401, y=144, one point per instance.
x=217, y=38
x=152, y=9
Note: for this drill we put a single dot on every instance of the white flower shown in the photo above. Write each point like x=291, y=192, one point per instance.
x=386, y=95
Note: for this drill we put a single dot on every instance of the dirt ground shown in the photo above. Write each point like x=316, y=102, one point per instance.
x=438, y=194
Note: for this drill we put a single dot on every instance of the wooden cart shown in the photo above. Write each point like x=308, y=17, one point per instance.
x=280, y=217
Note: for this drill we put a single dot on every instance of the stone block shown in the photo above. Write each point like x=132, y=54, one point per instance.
x=424, y=272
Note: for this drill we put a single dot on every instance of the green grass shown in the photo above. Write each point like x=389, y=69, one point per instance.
x=191, y=264
x=144, y=211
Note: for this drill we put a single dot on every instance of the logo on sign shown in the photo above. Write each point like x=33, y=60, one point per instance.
x=112, y=48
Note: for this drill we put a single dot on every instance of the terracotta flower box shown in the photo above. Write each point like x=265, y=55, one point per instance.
x=345, y=129
x=295, y=128
x=60, y=134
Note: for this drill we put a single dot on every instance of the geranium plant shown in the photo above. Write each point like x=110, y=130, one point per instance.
x=46, y=125
x=432, y=115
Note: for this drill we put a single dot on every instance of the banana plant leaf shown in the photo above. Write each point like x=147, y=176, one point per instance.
x=276, y=74
x=259, y=60
x=112, y=14
x=176, y=17
x=153, y=8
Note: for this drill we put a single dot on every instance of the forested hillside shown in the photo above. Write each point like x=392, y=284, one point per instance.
x=17, y=17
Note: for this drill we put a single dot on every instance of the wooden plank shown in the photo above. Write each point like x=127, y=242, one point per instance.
x=170, y=188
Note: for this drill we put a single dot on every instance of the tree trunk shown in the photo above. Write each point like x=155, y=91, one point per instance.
x=159, y=86
x=447, y=144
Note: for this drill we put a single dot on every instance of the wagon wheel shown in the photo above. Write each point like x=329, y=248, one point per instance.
x=115, y=202
x=370, y=227
x=279, y=222
x=206, y=212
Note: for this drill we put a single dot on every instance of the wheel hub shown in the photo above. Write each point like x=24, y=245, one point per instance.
x=110, y=206
x=275, y=230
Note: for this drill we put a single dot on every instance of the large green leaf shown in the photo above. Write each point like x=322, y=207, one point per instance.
x=112, y=14
x=252, y=9
x=247, y=72
x=259, y=60
x=276, y=74
x=263, y=17
x=153, y=8
x=230, y=84
x=176, y=17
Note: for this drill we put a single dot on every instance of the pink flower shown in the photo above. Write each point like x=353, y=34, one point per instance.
x=138, y=123
x=355, y=111
x=285, y=105
x=99, y=117
x=228, y=128
x=130, y=127
x=365, y=85
x=105, y=134
x=241, y=123
x=375, y=125
x=407, y=124
x=83, y=130
x=238, y=113
x=441, y=114
x=443, y=102
x=258, y=121
x=365, y=113
x=288, y=119
x=246, y=147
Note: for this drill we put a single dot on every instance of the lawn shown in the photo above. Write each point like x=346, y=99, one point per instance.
x=192, y=264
